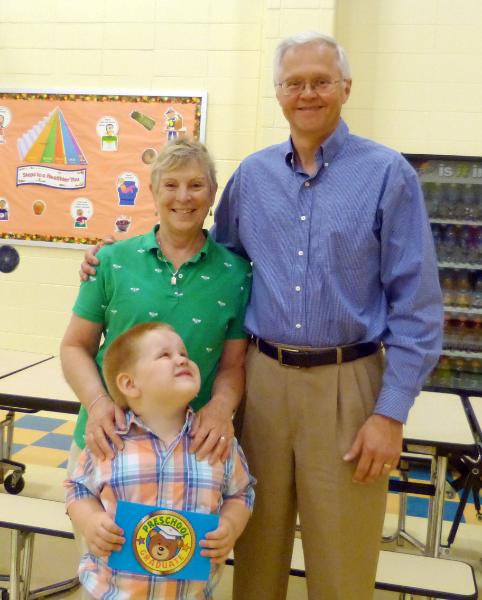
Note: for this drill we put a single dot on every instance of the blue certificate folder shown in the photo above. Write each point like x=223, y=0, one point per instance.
x=178, y=556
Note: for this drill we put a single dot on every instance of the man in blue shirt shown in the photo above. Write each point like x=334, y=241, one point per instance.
x=343, y=261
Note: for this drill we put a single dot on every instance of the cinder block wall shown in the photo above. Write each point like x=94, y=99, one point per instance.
x=417, y=69
x=418, y=83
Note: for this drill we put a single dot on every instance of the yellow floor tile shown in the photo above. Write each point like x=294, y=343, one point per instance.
x=26, y=436
x=65, y=428
x=470, y=516
x=392, y=503
x=41, y=456
x=56, y=415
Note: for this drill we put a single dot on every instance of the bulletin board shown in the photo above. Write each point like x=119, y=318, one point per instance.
x=75, y=166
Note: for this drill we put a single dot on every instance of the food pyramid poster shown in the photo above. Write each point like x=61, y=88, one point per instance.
x=74, y=167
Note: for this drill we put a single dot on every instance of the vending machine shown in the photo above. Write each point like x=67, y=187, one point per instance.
x=452, y=187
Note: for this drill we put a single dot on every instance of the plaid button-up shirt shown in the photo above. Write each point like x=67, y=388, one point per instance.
x=149, y=472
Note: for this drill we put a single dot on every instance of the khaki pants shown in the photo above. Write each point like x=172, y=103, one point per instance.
x=298, y=424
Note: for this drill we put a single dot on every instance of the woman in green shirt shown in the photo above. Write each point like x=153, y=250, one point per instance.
x=176, y=274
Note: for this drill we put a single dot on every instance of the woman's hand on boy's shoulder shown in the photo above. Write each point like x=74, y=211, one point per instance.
x=103, y=420
x=212, y=433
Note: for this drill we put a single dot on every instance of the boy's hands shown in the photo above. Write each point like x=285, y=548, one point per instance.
x=219, y=543
x=102, y=535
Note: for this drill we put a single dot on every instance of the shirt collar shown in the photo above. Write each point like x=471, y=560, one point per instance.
x=133, y=419
x=328, y=150
x=149, y=243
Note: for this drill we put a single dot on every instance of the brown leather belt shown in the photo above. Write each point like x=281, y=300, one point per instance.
x=294, y=357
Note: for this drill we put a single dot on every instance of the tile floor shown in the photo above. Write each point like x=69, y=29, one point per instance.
x=42, y=442
x=44, y=438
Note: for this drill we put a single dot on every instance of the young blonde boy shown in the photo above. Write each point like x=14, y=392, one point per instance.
x=148, y=373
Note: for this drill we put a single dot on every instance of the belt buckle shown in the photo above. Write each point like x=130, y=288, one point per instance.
x=282, y=349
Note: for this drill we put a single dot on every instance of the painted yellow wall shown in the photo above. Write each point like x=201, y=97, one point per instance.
x=222, y=46
x=418, y=84
x=417, y=70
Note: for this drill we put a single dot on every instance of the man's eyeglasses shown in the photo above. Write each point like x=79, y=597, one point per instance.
x=293, y=87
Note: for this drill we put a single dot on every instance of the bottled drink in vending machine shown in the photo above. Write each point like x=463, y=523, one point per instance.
x=465, y=244
x=477, y=190
x=440, y=199
x=458, y=370
x=431, y=201
x=477, y=334
x=448, y=331
x=472, y=249
x=473, y=335
x=474, y=374
x=453, y=197
x=459, y=333
x=477, y=293
x=468, y=203
x=447, y=284
x=463, y=290
x=449, y=246
x=437, y=238
x=452, y=200
x=478, y=244
x=443, y=374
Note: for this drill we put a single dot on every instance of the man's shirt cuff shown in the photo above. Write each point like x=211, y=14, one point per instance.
x=394, y=404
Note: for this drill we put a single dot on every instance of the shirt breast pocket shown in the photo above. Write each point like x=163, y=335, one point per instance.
x=352, y=248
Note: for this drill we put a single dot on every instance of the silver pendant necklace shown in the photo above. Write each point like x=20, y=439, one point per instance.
x=173, y=273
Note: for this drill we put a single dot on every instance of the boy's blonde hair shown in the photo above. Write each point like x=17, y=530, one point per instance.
x=122, y=354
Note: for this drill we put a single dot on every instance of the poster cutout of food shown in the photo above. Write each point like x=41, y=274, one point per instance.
x=74, y=167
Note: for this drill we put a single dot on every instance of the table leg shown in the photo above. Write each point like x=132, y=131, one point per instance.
x=436, y=508
x=15, y=565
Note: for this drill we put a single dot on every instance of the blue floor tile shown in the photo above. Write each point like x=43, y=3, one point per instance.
x=39, y=423
x=54, y=440
x=418, y=507
x=420, y=474
x=17, y=447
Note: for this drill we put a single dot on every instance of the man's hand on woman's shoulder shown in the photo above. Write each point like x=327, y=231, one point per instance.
x=87, y=268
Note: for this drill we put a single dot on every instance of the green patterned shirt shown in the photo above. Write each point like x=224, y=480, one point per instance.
x=133, y=285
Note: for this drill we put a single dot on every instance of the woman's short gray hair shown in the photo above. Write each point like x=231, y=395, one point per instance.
x=178, y=153
x=310, y=37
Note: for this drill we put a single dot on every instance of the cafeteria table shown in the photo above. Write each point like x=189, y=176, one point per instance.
x=475, y=415
x=12, y=361
x=40, y=386
x=437, y=426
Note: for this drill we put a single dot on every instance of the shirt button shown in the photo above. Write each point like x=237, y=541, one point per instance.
x=298, y=288
x=307, y=184
x=326, y=164
x=300, y=252
x=298, y=325
x=302, y=218
x=180, y=275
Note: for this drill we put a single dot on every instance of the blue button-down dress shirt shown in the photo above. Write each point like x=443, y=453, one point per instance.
x=340, y=257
